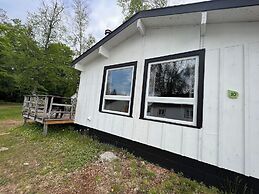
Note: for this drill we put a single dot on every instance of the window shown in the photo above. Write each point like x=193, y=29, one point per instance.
x=173, y=89
x=118, y=89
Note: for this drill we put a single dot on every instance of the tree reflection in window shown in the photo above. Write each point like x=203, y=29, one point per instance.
x=119, y=81
x=173, y=78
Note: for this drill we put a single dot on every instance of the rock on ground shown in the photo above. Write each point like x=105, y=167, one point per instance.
x=3, y=149
x=108, y=156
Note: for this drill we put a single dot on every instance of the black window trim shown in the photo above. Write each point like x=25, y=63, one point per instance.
x=120, y=65
x=201, y=54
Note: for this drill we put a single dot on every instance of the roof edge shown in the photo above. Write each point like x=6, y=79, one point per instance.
x=172, y=10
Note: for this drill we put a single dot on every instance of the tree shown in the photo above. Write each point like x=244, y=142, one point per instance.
x=18, y=53
x=46, y=24
x=3, y=16
x=27, y=68
x=130, y=7
x=80, y=40
x=58, y=77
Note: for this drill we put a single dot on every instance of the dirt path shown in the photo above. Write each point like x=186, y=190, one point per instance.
x=5, y=125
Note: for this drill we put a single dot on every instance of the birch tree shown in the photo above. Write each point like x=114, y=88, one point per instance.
x=81, y=41
x=46, y=23
x=130, y=7
x=3, y=16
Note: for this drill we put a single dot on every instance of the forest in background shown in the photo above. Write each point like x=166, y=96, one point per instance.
x=35, y=56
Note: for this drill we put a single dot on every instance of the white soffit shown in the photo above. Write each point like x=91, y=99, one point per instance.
x=245, y=14
x=172, y=20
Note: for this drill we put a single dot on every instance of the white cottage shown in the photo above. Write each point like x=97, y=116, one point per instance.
x=181, y=85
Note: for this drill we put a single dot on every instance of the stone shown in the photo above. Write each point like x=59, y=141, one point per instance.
x=1, y=134
x=108, y=156
x=2, y=149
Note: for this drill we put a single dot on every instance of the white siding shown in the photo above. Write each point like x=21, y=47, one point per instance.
x=229, y=136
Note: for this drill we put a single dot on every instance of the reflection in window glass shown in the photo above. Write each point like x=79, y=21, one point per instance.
x=170, y=111
x=173, y=78
x=117, y=105
x=119, y=81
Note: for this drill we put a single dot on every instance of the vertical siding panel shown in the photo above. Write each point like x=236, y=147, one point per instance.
x=117, y=127
x=247, y=132
x=155, y=134
x=141, y=131
x=97, y=92
x=128, y=128
x=87, y=95
x=80, y=100
x=253, y=114
x=220, y=107
x=107, y=124
x=232, y=124
x=172, y=138
x=84, y=98
x=91, y=93
x=100, y=117
x=101, y=122
x=140, y=127
x=210, y=107
x=190, y=142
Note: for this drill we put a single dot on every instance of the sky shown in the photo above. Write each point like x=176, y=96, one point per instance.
x=104, y=14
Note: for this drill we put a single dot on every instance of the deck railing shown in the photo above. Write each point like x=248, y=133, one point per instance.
x=46, y=107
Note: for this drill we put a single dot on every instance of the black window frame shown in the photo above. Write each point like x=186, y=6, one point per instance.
x=200, y=93
x=105, y=70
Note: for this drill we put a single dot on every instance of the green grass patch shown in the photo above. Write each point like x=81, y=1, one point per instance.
x=176, y=183
x=10, y=111
x=35, y=163
x=32, y=156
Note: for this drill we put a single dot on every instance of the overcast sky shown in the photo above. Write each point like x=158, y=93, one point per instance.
x=103, y=13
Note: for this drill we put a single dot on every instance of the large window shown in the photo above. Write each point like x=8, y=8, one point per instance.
x=173, y=89
x=118, y=89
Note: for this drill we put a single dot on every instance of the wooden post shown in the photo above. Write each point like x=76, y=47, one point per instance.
x=24, y=120
x=50, y=107
x=45, y=128
x=46, y=101
x=36, y=107
x=29, y=106
x=71, y=109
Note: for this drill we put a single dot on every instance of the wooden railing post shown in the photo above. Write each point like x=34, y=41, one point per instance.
x=46, y=101
x=71, y=109
x=50, y=107
x=29, y=105
x=36, y=107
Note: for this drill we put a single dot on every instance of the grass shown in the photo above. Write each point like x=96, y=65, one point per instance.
x=10, y=111
x=32, y=157
x=67, y=162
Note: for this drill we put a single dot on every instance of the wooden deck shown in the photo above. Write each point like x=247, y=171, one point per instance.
x=49, y=110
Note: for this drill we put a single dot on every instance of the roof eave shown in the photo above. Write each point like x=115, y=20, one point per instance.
x=173, y=10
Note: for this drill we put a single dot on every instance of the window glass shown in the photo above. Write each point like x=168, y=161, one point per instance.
x=117, y=105
x=172, y=78
x=119, y=81
x=170, y=111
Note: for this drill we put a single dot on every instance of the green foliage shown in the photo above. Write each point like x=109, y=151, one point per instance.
x=130, y=7
x=27, y=68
